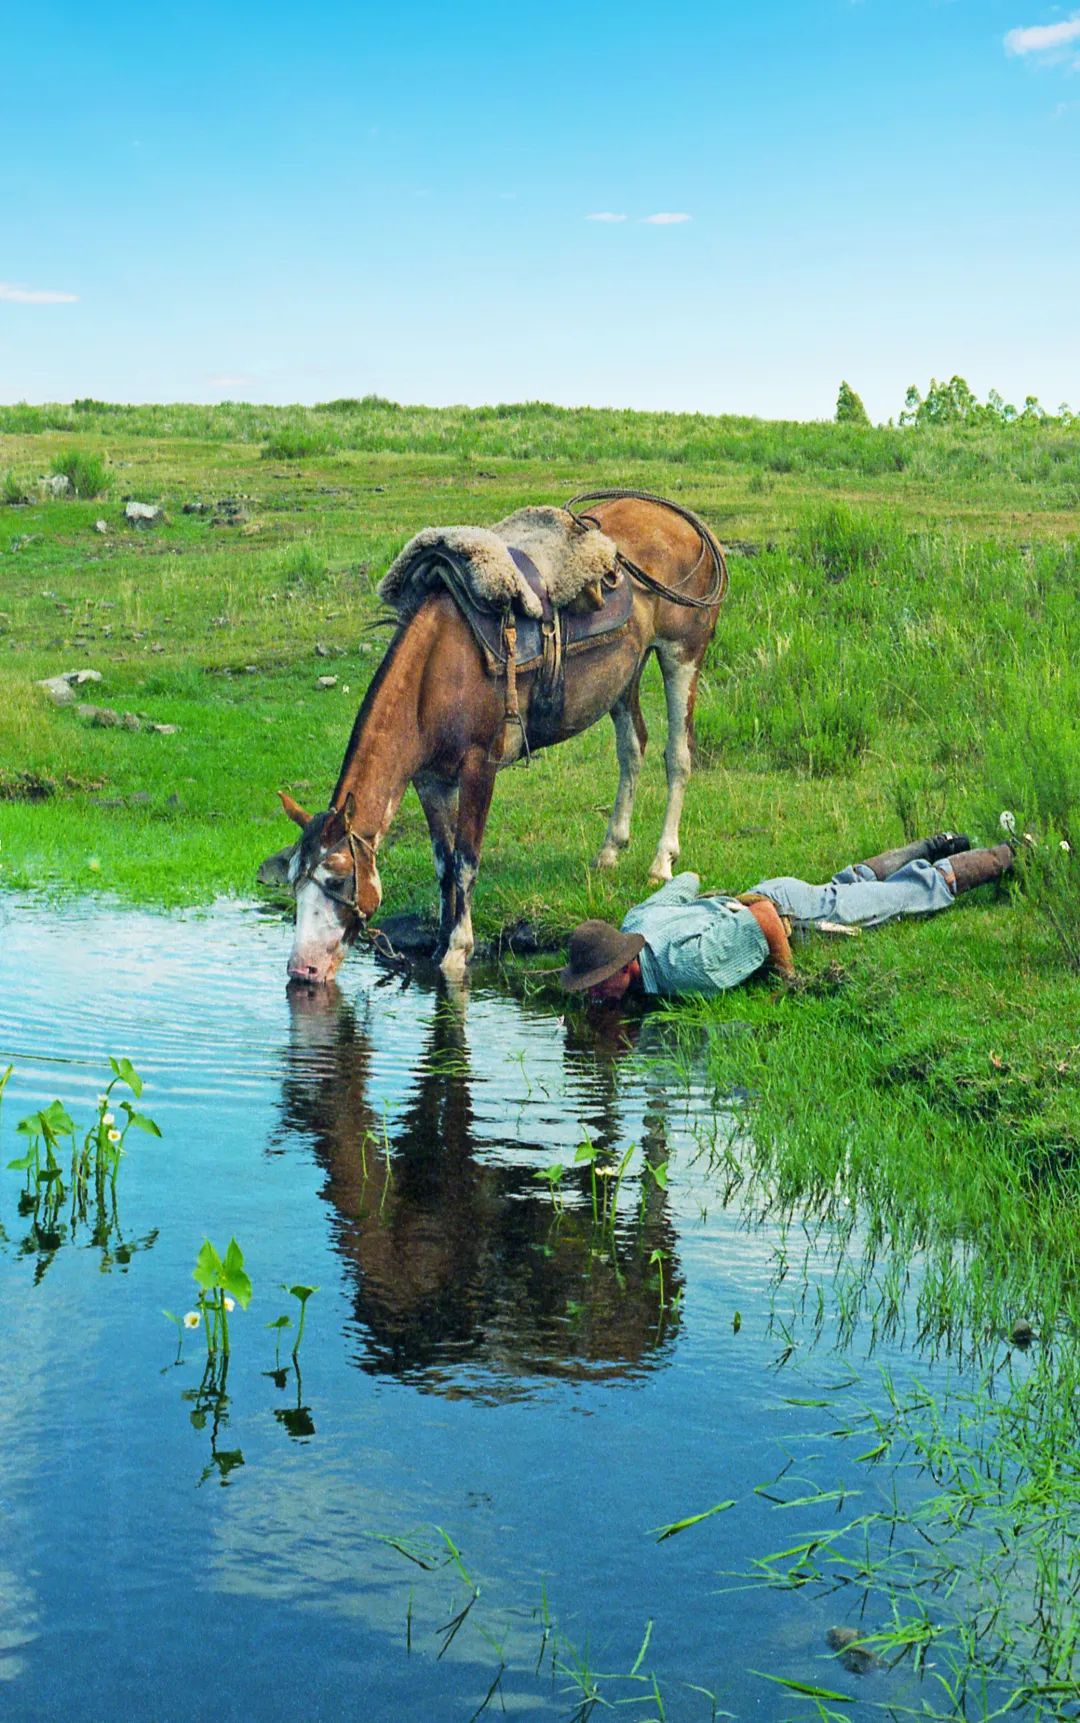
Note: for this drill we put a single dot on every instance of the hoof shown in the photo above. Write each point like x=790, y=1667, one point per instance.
x=454, y=965
x=661, y=870
x=608, y=858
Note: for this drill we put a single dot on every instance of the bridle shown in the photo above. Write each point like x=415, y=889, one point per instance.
x=343, y=889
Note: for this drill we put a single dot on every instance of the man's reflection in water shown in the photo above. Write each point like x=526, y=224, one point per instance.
x=459, y=1255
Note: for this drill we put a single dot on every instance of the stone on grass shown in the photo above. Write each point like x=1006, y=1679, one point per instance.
x=131, y=721
x=143, y=514
x=61, y=689
x=104, y=717
x=196, y=509
x=101, y=526
x=164, y=729
x=57, y=485
x=326, y=682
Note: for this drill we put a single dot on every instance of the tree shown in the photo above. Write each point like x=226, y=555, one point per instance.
x=849, y=407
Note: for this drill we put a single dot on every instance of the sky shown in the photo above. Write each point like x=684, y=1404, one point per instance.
x=697, y=206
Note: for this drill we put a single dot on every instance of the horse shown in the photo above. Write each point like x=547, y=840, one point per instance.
x=435, y=718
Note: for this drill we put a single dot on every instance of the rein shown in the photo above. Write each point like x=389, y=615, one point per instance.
x=708, y=543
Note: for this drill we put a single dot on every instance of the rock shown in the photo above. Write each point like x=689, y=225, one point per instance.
x=59, y=690
x=1022, y=1333
x=26, y=787
x=104, y=717
x=857, y=1659
x=326, y=682
x=139, y=799
x=143, y=514
x=165, y=730
x=130, y=721
x=321, y=651
x=101, y=526
x=57, y=485
x=412, y=935
x=196, y=509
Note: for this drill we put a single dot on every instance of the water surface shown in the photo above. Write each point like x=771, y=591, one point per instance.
x=475, y=1364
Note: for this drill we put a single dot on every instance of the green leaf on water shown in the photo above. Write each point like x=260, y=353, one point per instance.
x=691, y=1520
x=56, y=1118
x=21, y=1164
x=30, y=1126
x=141, y=1121
x=127, y=1073
x=303, y=1293
x=585, y=1152
x=280, y=1322
x=874, y=1453
x=209, y=1269
x=235, y=1278
x=736, y=1322
x=177, y=1319
x=806, y=1687
x=659, y=1173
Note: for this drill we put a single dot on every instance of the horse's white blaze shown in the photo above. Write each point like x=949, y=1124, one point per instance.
x=317, y=942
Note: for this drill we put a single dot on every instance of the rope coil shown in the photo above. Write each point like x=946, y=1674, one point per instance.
x=709, y=543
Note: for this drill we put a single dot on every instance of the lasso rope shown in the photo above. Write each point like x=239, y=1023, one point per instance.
x=708, y=543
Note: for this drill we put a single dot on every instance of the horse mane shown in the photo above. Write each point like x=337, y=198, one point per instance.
x=368, y=701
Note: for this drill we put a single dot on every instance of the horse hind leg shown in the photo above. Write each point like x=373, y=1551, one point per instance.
x=631, y=738
x=680, y=687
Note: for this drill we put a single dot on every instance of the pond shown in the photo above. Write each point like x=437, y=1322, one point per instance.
x=510, y=1381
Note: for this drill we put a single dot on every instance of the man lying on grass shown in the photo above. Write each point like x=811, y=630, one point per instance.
x=678, y=941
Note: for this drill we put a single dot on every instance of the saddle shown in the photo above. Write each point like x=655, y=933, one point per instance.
x=511, y=642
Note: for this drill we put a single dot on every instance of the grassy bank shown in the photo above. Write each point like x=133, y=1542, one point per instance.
x=898, y=653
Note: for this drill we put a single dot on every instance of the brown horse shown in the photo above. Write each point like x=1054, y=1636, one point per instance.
x=434, y=718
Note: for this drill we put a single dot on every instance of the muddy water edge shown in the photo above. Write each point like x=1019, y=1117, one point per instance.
x=593, y=1403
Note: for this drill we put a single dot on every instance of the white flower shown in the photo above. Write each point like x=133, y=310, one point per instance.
x=1007, y=821
x=114, y=1136
x=108, y=1118
x=1066, y=846
x=230, y=1304
x=344, y=687
x=605, y=1172
x=192, y=1319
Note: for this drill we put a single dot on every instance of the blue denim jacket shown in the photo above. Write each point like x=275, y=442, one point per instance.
x=695, y=944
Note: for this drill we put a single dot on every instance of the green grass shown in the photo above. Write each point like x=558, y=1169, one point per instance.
x=899, y=652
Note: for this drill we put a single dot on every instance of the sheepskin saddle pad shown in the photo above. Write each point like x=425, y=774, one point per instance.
x=570, y=560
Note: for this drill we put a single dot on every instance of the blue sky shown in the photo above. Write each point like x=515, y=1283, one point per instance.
x=277, y=203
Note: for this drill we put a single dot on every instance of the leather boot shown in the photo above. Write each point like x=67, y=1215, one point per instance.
x=925, y=849
x=979, y=867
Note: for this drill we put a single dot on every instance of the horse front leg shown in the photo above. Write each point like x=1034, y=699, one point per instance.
x=680, y=687
x=631, y=737
x=439, y=800
x=475, y=784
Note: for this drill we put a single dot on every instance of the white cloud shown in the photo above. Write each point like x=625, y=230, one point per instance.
x=235, y=380
x=666, y=218
x=1044, y=38
x=35, y=295
x=605, y=215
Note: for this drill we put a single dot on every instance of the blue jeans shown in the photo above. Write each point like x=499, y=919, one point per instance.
x=855, y=898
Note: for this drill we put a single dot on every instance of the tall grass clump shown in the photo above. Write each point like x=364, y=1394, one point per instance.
x=1033, y=779
x=86, y=473
x=12, y=492
x=295, y=443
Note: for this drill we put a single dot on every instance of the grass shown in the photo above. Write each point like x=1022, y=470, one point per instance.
x=898, y=653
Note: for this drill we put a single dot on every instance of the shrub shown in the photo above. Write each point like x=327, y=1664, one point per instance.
x=87, y=474
x=849, y=407
x=11, y=491
x=294, y=442
x=303, y=566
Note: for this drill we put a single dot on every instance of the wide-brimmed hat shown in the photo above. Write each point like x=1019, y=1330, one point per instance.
x=597, y=950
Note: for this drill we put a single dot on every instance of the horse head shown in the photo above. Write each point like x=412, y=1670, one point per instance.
x=333, y=874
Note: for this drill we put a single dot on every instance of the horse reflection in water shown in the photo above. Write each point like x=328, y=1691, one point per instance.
x=460, y=1260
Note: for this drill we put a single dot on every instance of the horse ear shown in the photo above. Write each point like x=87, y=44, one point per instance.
x=349, y=810
x=294, y=810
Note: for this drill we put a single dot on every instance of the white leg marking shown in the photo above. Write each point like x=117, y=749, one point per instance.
x=678, y=682
x=628, y=749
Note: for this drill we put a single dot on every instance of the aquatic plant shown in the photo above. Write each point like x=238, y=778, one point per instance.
x=301, y=1293
x=223, y=1283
